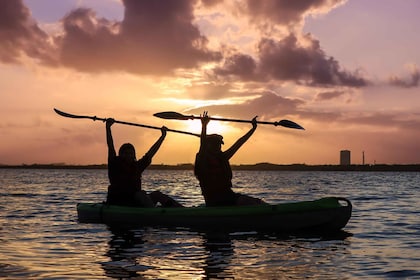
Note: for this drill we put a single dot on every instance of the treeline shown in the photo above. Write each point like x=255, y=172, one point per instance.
x=258, y=166
x=353, y=167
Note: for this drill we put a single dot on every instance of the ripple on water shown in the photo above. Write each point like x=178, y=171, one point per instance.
x=40, y=237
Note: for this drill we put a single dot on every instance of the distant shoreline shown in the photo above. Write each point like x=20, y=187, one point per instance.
x=257, y=167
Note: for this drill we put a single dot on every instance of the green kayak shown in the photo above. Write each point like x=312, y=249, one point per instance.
x=325, y=214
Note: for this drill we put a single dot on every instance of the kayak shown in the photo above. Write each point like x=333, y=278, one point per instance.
x=325, y=214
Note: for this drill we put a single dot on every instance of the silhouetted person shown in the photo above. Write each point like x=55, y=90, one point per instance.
x=212, y=168
x=124, y=172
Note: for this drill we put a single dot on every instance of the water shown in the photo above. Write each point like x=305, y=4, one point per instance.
x=40, y=237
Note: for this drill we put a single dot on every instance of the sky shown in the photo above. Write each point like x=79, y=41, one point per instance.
x=347, y=71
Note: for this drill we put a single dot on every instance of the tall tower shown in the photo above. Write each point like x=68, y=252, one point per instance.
x=345, y=157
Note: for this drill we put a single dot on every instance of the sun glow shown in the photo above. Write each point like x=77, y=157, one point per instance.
x=213, y=126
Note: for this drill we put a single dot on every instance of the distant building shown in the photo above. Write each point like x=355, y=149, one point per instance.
x=345, y=157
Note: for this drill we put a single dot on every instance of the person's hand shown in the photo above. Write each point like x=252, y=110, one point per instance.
x=163, y=130
x=205, y=118
x=254, y=122
x=109, y=122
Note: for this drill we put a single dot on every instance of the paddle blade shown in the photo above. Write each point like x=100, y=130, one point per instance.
x=169, y=115
x=67, y=115
x=289, y=124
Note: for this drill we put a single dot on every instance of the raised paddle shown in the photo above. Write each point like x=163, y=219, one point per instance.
x=178, y=116
x=67, y=115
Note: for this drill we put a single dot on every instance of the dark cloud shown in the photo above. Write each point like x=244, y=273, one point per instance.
x=19, y=34
x=158, y=37
x=288, y=60
x=412, y=81
x=88, y=43
x=286, y=12
x=165, y=31
x=210, y=3
x=267, y=106
x=155, y=37
x=241, y=65
x=328, y=95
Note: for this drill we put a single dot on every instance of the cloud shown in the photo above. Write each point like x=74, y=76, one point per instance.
x=88, y=43
x=287, y=12
x=155, y=37
x=412, y=81
x=158, y=37
x=267, y=106
x=240, y=65
x=20, y=35
x=375, y=121
x=210, y=3
x=385, y=120
x=290, y=60
x=209, y=91
x=328, y=95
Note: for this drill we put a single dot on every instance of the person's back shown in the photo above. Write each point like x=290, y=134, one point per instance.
x=124, y=173
x=212, y=168
x=214, y=174
x=125, y=179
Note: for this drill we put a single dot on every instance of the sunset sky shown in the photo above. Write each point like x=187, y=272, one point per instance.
x=347, y=71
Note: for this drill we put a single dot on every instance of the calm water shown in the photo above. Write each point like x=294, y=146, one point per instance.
x=40, y=237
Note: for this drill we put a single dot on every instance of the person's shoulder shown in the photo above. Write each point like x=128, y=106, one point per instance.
x=223, y=153
x=113, y=159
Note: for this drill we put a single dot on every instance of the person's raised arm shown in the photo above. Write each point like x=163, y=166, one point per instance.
x=203, y=137
x=153, y=150
x=235, y=147
x=203, y=143
x=109, y=140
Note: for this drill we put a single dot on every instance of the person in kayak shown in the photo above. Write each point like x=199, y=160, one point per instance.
x=213, y=170
x=124, y=173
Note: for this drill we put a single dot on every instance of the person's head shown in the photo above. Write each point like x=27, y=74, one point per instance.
x=127, y=152
x=214, y=142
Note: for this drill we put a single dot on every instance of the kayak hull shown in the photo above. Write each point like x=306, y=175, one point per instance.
x=325, y=214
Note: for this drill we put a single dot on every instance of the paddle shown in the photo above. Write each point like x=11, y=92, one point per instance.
x=178, y=116
x=68, y=115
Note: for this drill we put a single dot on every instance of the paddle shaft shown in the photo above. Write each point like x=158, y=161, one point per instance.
x=95, y=118
x=232, y=120
x=178, y=116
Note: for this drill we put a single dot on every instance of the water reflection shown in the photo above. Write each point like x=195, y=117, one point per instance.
x=122, y=253
x=167, y=254
x=151, y=253
x=219, y=253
